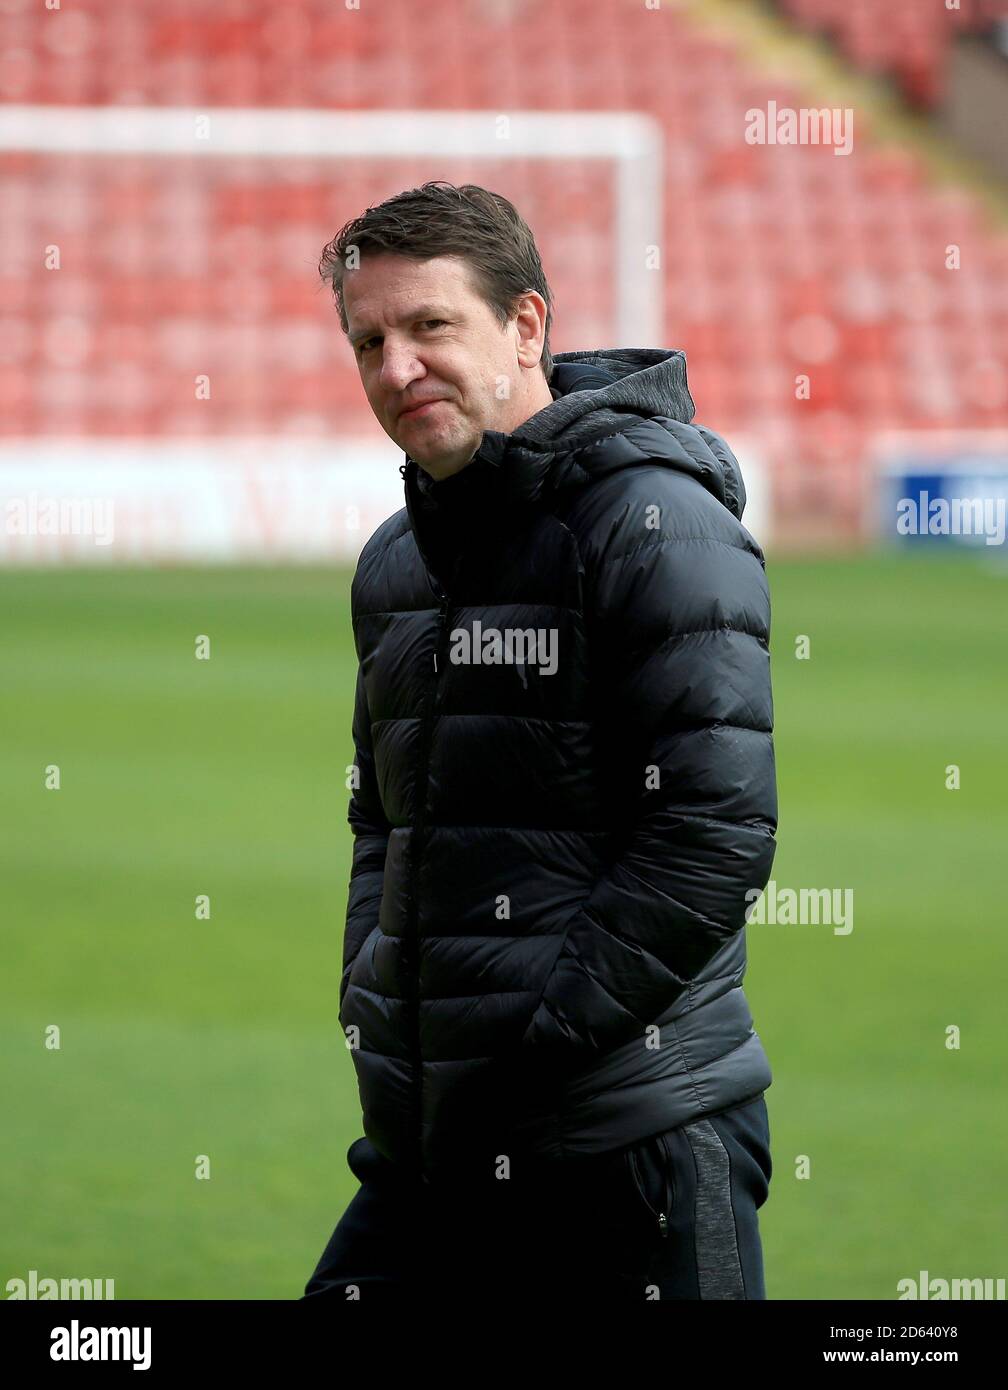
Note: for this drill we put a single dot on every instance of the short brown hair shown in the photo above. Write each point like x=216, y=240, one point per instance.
x=440, y=219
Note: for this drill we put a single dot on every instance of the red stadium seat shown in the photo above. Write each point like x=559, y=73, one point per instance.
x=776, y=260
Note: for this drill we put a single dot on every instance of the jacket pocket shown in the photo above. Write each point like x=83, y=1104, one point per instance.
x=365, y=952
x=653, y=1179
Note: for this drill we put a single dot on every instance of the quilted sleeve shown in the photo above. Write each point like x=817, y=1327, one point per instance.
x=682, y=616
x=371, y=834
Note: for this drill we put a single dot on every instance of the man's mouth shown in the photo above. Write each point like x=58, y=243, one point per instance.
x=418, y=410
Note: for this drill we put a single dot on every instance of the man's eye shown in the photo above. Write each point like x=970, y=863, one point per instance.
x=427, y=323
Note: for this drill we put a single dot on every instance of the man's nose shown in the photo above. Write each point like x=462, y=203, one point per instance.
x=399, y=366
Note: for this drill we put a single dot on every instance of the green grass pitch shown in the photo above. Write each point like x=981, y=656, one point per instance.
x=183, y=1037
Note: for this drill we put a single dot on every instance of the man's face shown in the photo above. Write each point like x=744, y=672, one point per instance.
x=422, y=336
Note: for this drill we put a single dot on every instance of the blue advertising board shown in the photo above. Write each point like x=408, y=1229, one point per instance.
x=943, y=491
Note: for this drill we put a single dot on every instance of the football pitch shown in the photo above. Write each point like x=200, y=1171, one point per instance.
x=193, y=1044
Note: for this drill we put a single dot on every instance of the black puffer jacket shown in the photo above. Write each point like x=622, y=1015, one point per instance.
x=554, y=842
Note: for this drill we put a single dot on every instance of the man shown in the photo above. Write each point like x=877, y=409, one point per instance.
x=564, y=790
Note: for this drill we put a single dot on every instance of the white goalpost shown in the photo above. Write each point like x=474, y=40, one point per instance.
x=290, y=497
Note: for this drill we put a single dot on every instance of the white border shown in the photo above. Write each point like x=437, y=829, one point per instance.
x=245, y=498
x=250, y=499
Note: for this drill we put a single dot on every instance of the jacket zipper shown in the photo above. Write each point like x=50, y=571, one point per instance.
x=661, y=1217
x=420, y=826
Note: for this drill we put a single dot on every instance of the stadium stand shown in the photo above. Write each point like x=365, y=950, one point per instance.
x=908, y=40
x=778, y=262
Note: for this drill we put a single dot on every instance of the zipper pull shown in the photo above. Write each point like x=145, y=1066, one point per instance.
x=662, y=1224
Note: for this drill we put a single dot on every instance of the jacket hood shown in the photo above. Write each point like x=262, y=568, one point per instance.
x=594, y=391
x=611, y=408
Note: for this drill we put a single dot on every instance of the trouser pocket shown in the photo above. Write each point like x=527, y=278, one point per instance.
x=652, y=1176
